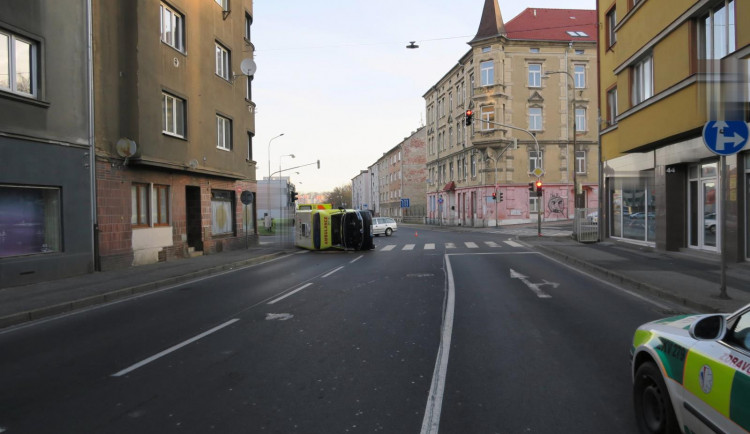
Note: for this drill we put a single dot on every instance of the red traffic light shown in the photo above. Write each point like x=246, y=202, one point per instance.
x=469, y=112
x=469, y=116
x=539, y=184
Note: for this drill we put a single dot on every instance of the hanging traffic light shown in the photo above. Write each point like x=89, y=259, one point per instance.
x=469, y=117
x=539, y=188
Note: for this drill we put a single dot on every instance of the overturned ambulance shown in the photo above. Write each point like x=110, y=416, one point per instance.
x=320, y=227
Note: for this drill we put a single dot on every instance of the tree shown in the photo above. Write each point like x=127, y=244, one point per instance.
x=340, y=196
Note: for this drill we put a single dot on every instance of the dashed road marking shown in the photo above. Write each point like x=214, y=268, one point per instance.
x=429, y=246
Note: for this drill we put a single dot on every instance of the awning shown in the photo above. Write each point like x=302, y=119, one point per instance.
x=450, y=186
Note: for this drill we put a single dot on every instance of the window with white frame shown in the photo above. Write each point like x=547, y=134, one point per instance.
x=473, y=166
x=173, y=115
x=172, y=27
x=223, y=133
x=579, y=76
x=487, y=114
x=487, y=71
x=580, y=161
x=717, y=33
x=535, y=75
x=612, y=106
x=643, y=80
x=535, y=118
x=580, y=119
x=249, y=88
x=139, y=200
x=248, y=25
x=535, y=160
x=160, y=205
x=18, y=64
x=533, y=203
x=222, y=61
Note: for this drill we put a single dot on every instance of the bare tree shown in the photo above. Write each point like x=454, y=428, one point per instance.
x=340, y=196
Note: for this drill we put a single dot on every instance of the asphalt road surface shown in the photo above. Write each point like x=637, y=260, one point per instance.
x=434, y=331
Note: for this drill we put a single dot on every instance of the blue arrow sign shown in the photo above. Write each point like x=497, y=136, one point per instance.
x=725, y=137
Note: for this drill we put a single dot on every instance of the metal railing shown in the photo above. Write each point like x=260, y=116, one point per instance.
x=586, y=225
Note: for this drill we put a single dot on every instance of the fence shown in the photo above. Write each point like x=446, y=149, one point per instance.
x=586, y=225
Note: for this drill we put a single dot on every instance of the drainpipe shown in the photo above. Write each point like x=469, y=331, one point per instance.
x=92, y=139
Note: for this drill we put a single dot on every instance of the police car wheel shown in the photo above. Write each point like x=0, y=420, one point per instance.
x=653, y=407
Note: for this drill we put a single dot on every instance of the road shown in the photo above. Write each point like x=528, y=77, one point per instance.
x=434, y=331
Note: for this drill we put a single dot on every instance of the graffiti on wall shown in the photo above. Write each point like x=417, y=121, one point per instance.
x=556, y=205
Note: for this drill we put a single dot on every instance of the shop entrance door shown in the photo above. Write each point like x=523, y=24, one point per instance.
x=704, y=207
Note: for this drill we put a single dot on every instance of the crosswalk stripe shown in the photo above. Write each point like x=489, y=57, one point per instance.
x=408, y=247
x=471, y=245
x=429, y=246
x=513, y=243
x=491, y=244
x=450, y=246
x=388, y=247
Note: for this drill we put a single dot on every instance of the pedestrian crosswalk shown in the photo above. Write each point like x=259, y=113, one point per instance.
x=449, y=246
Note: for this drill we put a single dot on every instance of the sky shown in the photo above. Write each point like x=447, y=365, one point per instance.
x=335, y=77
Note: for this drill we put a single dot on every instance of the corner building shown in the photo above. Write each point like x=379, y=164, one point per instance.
x=531, y=84
x=667, y=68
x=174, y=129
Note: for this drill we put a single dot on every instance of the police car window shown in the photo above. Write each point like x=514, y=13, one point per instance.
x=740, y=334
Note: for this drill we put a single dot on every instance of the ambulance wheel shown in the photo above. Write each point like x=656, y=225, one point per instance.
x=367, y=237
x=654, y=413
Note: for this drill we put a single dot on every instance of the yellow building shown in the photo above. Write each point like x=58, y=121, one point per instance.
x=667, y=68
x=531, y=84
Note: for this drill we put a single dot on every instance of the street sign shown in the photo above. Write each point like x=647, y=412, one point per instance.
x=538, y=172
x=246, y=197
x=404, y=203
x=725, y=137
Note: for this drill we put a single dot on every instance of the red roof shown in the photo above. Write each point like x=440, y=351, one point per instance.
x=553, y=25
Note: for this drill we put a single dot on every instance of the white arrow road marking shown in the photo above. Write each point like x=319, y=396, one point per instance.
x=533, y=286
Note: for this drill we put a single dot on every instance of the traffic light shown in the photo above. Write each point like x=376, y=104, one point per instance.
x=539, y=188
x=494, y=196
x=292, y=196
x=531, y=187
x=500, y=197
x=469, y=116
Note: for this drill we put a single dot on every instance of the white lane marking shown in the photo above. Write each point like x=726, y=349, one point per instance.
x=356, y=259
x=289, y=293
x=513, y=243
x=174, y=348
x=408, y=247
x=431, y=420
x=388, y=247
x=532, y=286
x=278, y=316
x=491, y=244
x=450, y=246
x=331, y=272
x=471, y=245
x=429, y=246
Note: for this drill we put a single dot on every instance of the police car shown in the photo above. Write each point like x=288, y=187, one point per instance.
x=691, y=374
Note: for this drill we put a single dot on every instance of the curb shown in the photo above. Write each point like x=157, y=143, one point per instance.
x=123, y=293
x=638, y=286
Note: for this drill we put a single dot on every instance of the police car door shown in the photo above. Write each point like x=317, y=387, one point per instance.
x=717, y=382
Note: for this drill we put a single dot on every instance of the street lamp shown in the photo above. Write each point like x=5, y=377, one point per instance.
x=281, y=190
x=268, y=183
x=572, y=101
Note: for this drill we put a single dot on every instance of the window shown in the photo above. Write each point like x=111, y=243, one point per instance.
x=535, y=118
x=172, y=27
x=643, y=80
x=222, y=62
x=250, y=146
x=535, y=160
x=450, y=100
x=580, y=119
x=535, y=75
x=611, y=23
x=612, y=106
x=450, y=171
x=577, y=34
x=473, y=166
x=534, y=50
x=249, y=88
x=580, y=52
x=579, y=76
x=160, y=205
x=222, y=215
x=18, y=65
x=487, y=114
x=30, y=220
x=139, y=204
x=717, y=31
x=739, y=332
x=487, y=70
x=173, y=115
x=248, y=24
x=580, y=161
x=471, y=79
x=223, y=133
x=485, y=49
x=224, y=4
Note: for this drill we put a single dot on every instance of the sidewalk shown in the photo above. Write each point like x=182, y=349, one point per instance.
x=691, y=279
x=20, y=304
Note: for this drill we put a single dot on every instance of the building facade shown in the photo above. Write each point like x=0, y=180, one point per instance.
x=46, y=209
x=174, y=128
x=401, y=178
x=531, y=85
x=667, y=68
x=362, y=191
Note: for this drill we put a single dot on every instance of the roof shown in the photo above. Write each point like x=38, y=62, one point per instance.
x=553, y=25
x=491, y=23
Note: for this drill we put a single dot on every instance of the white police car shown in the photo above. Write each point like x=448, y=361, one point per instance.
x=691, y=374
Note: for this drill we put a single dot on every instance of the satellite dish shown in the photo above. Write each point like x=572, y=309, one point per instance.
x=126, y=148
x=193, y=163
x=248, y=67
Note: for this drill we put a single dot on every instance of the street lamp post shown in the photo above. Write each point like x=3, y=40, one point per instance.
x=281, y=190
x=268, y=184
x=496, y=184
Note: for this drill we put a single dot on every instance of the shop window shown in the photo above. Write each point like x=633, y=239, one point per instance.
x=222, y=214
x=30, y=220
